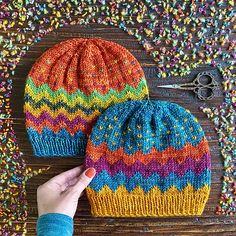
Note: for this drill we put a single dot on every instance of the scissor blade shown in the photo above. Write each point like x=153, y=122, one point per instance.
x=169, y=86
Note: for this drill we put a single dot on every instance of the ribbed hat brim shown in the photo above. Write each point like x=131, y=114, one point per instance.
x=56, y=147
x=188, y=202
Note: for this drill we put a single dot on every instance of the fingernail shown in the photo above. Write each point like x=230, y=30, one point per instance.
x=90, y=172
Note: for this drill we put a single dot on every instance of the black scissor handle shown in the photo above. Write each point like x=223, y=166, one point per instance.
x=210, y=83
x=204, y=93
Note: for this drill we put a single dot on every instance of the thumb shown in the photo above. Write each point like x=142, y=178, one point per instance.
x=84, y=179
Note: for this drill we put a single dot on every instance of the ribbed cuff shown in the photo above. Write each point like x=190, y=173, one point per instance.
x=58, y=147
x=120, y=204
x=54, y=224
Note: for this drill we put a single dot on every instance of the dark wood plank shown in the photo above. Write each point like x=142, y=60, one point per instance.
x=207, y=224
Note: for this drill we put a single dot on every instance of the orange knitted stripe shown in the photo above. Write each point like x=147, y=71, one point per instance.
x=195, y=152
x=74, y=66
x=57, y=128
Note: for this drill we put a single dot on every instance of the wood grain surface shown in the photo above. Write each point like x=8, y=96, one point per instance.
x=207, y=224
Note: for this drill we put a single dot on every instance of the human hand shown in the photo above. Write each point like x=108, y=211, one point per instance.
x=61, y=193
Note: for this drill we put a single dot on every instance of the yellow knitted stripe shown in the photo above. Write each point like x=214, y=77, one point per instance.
x=54, y=113
x=96, y=100
x=154, y=203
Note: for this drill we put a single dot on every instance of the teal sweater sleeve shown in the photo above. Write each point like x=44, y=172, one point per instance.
x=54, y=224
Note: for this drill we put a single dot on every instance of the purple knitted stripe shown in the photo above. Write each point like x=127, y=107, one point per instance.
x=60, y=118
x=197, y=166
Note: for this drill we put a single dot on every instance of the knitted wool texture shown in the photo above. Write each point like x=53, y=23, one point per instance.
x=151, y=158
x=70, y=85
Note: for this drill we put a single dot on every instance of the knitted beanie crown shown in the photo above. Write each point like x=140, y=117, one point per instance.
x=70, y=85
x=151, y=159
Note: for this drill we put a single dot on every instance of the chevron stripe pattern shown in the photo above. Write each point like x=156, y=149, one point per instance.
x=69, y=87
x=151, y=159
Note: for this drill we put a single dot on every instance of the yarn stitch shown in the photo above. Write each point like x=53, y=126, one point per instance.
x=70, y=85
x=151, y=159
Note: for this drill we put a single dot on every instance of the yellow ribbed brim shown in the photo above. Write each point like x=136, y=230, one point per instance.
x=121, y=203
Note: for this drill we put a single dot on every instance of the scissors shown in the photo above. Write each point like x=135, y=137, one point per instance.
x=203, y=90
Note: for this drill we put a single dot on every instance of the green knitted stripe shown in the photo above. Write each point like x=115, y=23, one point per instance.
x=45, y=91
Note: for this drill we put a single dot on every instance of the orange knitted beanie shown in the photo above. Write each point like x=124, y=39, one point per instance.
x=70, y=85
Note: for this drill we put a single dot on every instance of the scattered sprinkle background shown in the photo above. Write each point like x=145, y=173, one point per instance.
x=209, y=24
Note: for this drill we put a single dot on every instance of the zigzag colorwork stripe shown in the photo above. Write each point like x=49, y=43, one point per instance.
x=120, y=179
x=197, y=166
x=95, y=98
x=180, y=155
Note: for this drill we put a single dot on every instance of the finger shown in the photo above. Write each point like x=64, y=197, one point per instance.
x=71, y=183
x=83, y=181
x=66, y=177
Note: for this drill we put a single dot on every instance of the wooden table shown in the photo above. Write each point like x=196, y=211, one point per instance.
x=208, y=223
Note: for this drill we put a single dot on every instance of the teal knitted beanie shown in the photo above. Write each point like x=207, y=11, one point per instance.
x=151, y=159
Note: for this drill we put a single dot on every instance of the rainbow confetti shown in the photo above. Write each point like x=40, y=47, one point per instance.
x=179, y=35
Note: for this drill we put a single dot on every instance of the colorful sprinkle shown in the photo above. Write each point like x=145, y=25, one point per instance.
x=166, y=30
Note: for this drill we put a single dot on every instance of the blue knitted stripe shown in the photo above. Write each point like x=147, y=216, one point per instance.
x=48, y=144
x=162, y=124
x=47, y=132
x=120, y=179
